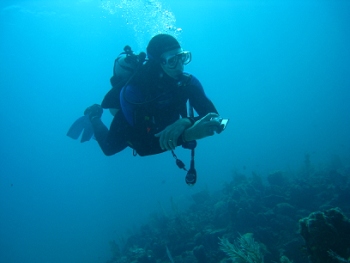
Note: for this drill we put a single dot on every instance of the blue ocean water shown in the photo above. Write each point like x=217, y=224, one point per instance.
x=279, y=70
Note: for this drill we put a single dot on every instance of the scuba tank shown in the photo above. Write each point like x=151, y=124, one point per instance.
x=125, y=66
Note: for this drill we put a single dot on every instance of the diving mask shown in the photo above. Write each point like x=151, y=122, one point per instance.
x=171, y=61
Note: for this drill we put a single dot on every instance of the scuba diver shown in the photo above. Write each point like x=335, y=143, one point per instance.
x=149, y=104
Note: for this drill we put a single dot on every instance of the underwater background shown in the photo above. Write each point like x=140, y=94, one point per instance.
x=279, y=70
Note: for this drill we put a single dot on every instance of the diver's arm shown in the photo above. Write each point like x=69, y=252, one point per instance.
x=170, y=137
x=199, y=100
x=202, y=128
x=188, y=129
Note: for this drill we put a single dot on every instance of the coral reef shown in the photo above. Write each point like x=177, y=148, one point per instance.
x=269, y=206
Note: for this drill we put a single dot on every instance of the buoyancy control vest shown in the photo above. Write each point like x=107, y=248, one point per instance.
x=153, y=113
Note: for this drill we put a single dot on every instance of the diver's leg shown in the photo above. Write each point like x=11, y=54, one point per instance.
x=100, y=130
x=113, y=140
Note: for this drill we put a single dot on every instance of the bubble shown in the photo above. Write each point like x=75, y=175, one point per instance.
x=145, y=17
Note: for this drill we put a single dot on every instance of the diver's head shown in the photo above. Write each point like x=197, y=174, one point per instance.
x=166, y=50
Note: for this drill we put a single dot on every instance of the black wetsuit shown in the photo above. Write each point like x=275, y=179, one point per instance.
x=145, y=112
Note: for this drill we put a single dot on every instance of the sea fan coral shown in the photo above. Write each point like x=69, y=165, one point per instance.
x=244, y=250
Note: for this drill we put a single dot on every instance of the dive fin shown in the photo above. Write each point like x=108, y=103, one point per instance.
x=81, y=125
x=88, y=132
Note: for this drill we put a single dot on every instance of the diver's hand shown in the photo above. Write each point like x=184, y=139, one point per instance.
x=202, y=128
x=169, y=136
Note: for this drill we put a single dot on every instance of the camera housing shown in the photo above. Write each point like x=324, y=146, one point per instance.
x=223, y=123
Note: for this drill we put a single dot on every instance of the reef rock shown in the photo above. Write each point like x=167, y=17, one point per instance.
x=326, y=235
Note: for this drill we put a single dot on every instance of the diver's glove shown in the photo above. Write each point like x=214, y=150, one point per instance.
x=94, y=111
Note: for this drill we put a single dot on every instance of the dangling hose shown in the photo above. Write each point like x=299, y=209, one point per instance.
x=191, y=177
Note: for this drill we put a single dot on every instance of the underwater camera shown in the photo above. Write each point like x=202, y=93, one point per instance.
x=223, y=123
